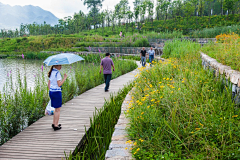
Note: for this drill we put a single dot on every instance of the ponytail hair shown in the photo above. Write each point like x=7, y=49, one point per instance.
x=49, y=73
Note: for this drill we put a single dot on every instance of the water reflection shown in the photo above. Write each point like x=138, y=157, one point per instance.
x=31, y=68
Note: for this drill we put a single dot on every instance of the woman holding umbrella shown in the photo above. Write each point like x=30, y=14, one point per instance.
x=55, y=81
x=55, y=93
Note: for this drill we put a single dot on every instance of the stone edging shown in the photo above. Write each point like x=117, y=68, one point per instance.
x=226, y=71
x=117, y=148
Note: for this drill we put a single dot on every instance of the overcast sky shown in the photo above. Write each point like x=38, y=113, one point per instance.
x=63, y=8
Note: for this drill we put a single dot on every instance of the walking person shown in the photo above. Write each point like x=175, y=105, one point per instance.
x=143, y=56
x=120, y=34
x=55, y=93
x=107, y=65
x=151, y=53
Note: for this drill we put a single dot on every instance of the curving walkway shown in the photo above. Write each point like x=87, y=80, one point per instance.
x=40, y=141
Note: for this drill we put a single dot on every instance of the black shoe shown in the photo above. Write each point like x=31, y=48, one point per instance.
x=106, y=90
x=57, y=128
x=59, y=125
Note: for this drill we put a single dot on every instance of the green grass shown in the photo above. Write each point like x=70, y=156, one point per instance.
x=181, y=111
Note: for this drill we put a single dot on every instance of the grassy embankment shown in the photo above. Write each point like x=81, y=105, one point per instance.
x=32, y=45
x=180, y=111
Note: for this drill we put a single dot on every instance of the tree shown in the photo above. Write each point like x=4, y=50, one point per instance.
x=188, y=9
x=143, y=7
x=94, y=5
x=228, y=5
x=137, y=4
x=150, y=6
x=164, y=6
x=130, y=16
x=201, y=7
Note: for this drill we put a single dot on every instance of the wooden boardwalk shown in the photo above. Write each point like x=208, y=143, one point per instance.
x=40, y=141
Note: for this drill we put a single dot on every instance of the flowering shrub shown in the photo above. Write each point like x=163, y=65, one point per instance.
x=226, y=51
x=227, y=38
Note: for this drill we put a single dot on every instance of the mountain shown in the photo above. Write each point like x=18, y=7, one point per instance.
x=12, y=16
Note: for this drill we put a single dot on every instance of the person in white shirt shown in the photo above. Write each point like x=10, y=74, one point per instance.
x=55, y=93
x=151, y=53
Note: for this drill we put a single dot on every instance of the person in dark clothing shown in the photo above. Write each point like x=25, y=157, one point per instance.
x=143, y=56
x=107, y=64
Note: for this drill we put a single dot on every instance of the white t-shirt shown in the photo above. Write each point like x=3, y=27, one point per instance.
x=151, y=52
x=55, y=76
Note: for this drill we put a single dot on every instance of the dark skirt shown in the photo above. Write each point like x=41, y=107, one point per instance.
x=56, y=99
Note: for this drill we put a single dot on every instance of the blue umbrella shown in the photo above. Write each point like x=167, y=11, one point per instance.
x=63, y=58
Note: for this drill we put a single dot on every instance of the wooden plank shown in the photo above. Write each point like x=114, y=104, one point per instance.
x=40, y=141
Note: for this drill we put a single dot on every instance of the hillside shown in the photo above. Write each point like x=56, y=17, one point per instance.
x=12, y=16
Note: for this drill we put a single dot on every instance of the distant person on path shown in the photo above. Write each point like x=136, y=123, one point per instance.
x=107, y=64
x=120, y=34
x=143, y=56
x=55, y=93
x=151, y=53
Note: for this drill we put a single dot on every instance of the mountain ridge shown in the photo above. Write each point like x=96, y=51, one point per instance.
x=11, y=17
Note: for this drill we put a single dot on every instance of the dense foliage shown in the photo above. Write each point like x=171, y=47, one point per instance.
x=193, y=25
x=181, y=111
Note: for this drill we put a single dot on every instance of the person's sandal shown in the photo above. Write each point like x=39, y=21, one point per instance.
x=59, y=125
x=57, y=128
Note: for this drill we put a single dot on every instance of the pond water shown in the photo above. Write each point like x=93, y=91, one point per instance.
x=31, y=68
